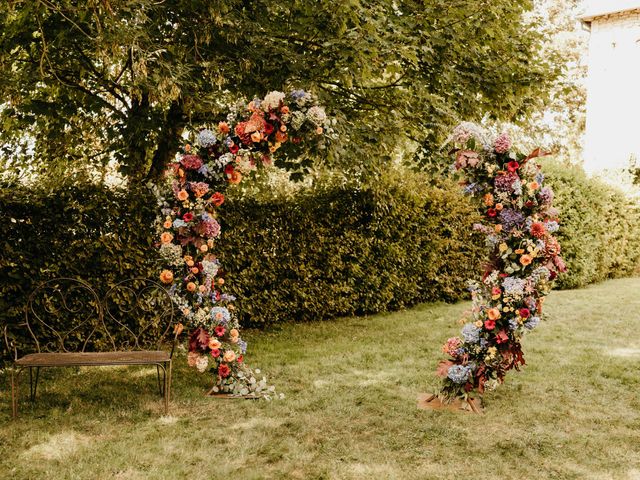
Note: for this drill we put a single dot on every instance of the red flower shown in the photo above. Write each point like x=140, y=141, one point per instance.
x=524, y=312
x=268, y=129
x=528, y=203
x=224, y=370
x=512, y=166
x=492, y=212
x=489, y=324
x=228, y=170
x=215, y=353
x=502, y=337
x=191, y=162
x=220, y=330
x=240, y=358
x=538, y=230
x=217, y=199
x=234, y=148
x=187, y=217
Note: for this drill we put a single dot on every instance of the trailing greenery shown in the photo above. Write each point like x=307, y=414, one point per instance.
x=329, y=252
x=600, y=227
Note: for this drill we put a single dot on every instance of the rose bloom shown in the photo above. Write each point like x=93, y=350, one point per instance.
x=215, y=353
x=281, y=137
x=534, y=185
x=191, y=287
x=166, y=237
x=224, y=371
x=187, y=217
x=240, y=358
x=512, y=166
x=284, y=109
x=217, y=199
x=256, y=137
x=524, y=312
x=538, y=230
x=166, y=276
x=224, y=127
x=502, y=337
x=183, y=195
x=229, y=356
x=214, y=343
x=492, y=212
x=234, y=332
x=219, y=330
x=489, y=324
x=498, y=228
x=233, y=148
x=204, y=248
x=499, y=206
x=194, y=270
x=167, y=224
x=319, y=130
x=478, y=323
x=526, y=260
x=493, y=314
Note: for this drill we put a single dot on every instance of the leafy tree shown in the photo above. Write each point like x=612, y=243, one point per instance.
x=88, y=83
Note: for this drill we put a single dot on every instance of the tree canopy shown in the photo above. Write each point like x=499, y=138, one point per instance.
x=86, y=83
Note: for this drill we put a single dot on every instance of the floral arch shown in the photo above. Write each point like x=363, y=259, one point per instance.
x=190, y=199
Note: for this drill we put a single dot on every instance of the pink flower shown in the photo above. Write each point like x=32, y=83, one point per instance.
x=191, y=162
x=502, y=337
x=524, y=312
x=502, y=144
x=452, y=345
x=489, y=324
x=220, y=330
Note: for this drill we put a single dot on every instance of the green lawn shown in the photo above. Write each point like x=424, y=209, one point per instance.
x=350, y=407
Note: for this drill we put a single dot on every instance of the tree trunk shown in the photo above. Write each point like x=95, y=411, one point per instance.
x=168, y=141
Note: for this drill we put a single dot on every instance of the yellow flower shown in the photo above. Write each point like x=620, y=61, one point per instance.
x=503, y=247
x=493, y=314
x=478, y=324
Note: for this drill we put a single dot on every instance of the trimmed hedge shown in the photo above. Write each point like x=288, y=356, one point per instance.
x=600, y=227
x=327, y=253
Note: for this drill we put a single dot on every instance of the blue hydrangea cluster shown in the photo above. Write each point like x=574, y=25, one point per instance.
x=459, y=374
x=513, y=324
x=179, y=223
x=226, y=316
x=551, y=226
x=470, y=333
x=532, y=323
x=206, y=138
x=540, y=273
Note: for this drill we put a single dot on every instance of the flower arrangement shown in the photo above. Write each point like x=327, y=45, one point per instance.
x=188, y=225
x=524, y=260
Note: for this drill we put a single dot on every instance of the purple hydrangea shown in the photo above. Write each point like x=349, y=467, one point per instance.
x=505, y=183
x=511, y=219
x=546, y=195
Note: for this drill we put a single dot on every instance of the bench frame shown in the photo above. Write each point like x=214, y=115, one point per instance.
x=134, y=350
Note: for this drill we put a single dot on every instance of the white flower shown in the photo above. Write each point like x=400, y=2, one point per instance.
x=272, y=100
x=206, y=138
x=317, y=116
x=202, y=363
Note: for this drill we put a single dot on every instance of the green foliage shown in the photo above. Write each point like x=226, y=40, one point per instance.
x=600, y=227
x=88, y=82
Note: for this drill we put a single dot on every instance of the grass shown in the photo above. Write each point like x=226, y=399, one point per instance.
x=350, y=407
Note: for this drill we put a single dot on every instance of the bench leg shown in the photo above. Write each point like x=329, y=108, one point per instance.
x=15, y=375
x=33, y=386
x=166, y=389
x=159, y=383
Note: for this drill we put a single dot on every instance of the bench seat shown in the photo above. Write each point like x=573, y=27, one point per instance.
x=145, y=357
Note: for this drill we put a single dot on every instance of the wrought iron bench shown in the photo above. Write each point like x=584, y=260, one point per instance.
x=69, y=323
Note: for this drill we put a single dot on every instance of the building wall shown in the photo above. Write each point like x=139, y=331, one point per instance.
x=613, y=92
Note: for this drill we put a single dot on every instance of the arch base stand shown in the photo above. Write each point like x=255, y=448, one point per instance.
x=429, y=401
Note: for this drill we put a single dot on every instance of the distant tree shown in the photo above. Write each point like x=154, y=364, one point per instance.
x=86, y=83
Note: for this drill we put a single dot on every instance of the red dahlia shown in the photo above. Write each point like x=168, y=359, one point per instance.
x=489, y=324
x=224, y=370
x=187, y=217
x=538, y=230
x=220, y=330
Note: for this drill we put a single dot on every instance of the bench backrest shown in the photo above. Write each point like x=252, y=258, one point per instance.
x=67, y=315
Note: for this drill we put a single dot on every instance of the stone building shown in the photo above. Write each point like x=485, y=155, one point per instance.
x=612, y=136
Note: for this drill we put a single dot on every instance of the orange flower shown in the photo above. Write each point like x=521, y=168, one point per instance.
x=183, y=195
x=526, y=260
x=187, y=148
x=284, y=109
x=519, y=251
x=221, y=281
x=167, y=224
x=178, y=328
x=191, y=287
x=493, y=314
x=166, y=237
x=214, y=343
x=498, y=228
x=234, y=332
x=229, y=356
x=235, y=177
x=256, y=137
x=166, y=276
x=204, y=248
x=190, y=263
x=319, y=130
x=281, y=137
x=499, y=206
x=283, y=128
x=202, y=288
x=534, y=185
x=488, y=200
x=194, y=270
x=224, y=127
